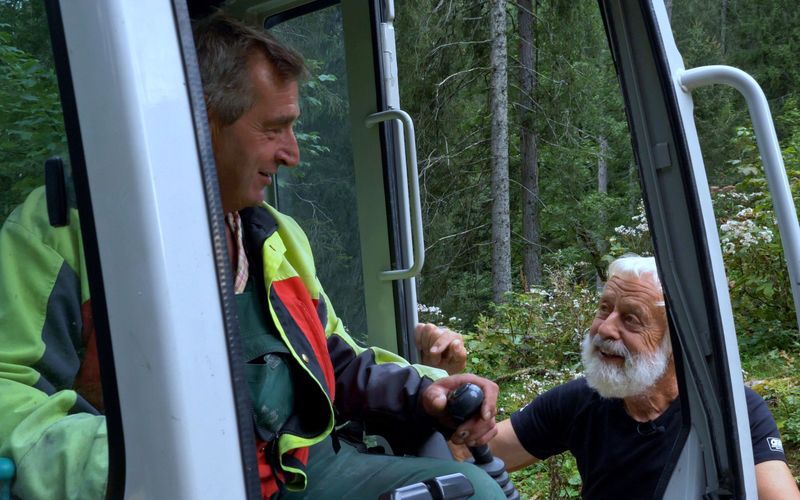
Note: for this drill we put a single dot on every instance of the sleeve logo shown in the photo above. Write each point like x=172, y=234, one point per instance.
x=775, y=444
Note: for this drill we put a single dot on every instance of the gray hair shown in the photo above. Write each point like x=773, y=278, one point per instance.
x=224, y=47
x=635, y=266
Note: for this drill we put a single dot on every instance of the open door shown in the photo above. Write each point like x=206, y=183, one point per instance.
x=714, y=457
x=156, y=263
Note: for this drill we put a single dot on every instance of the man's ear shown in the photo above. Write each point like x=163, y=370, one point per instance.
x=213, y=122
x=214, y=128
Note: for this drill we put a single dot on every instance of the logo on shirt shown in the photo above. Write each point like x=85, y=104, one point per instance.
x=775, y=444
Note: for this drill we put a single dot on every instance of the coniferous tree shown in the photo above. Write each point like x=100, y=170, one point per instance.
x=501, y=223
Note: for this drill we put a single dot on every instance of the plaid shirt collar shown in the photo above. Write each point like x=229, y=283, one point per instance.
x=242, y=267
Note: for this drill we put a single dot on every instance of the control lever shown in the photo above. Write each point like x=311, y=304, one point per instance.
x=464, y=403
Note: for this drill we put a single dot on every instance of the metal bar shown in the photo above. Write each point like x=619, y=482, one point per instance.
x=770, y=151
x=413, y=184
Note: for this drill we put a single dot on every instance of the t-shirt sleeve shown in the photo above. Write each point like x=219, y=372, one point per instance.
x=543, y=426
x=764, y=433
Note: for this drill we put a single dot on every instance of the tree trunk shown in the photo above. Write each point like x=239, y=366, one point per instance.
x=531, y=265
x=602, y=187
x=633, y=186
x=602, y=165
x=501, y=226
x=723, y=24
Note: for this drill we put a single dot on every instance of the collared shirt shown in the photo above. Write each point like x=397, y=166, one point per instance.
x=242, y=268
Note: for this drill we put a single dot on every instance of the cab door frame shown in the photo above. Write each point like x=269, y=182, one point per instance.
x=138, y=136
x=713, y=456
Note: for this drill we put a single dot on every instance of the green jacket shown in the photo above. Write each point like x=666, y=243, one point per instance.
x=51, y=421
x=368, y=384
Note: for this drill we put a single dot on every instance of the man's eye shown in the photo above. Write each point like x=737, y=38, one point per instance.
x=631, y=319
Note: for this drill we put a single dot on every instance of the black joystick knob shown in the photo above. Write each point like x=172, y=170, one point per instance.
x=463, y=404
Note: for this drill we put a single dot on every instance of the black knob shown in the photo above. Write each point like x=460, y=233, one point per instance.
x=464, y=402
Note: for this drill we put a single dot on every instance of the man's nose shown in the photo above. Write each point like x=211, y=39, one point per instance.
x=289, y=153
x=608, y=328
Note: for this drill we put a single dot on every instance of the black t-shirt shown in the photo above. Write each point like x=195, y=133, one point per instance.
x=618, y=457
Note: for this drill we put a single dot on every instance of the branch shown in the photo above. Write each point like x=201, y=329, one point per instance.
x=450, y=236
x=468, y=42
x=461, y=73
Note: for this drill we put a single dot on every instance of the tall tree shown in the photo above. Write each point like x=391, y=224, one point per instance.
x=531, y=264
x=602, y=165
x=501, y=222
x=602, y=188
x=723, y=23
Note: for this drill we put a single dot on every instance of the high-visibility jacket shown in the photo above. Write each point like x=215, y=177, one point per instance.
x=371, y=385
x=51, y=421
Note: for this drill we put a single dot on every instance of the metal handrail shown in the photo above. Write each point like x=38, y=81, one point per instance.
x=770, y=152
x=418, y=242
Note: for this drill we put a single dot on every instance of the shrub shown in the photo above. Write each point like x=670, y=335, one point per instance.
x=536, y=332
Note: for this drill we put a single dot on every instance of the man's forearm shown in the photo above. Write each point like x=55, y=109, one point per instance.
x=507, y=447
x=775, y=481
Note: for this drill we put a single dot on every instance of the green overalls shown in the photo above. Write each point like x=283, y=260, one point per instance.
x=269, y=368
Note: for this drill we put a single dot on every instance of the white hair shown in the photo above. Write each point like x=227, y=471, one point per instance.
x=635, y=266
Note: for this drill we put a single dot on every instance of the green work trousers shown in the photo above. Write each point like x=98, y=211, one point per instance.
x=351, y=474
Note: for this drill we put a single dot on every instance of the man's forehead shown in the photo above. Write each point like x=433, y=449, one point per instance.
x=259, y=66
x=631, y=286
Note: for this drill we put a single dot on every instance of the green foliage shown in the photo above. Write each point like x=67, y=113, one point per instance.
x=764, y=41
x=554, y=478
x=783, y=397
x=443, y=67
x=751, y=244
x=26, y=22
x=541, y=328
x=31, y=127
x=752, y=250
x=530, y=344
x=534, y=338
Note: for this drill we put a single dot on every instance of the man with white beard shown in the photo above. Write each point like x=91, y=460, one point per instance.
x=621, y=420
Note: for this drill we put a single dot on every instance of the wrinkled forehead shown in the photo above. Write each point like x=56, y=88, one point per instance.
x=638, y=288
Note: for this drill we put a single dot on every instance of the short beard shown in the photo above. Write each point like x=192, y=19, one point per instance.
x=639, y=372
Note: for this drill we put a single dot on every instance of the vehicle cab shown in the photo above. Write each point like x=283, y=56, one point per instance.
x=138, y=168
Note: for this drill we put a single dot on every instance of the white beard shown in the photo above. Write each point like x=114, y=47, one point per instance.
x=638, y=373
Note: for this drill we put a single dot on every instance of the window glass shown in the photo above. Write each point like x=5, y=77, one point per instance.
x=46, y=327
x=320, y=192
x=31, y=123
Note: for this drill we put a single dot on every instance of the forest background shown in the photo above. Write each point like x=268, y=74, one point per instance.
x=528, y=180
x=568, y=132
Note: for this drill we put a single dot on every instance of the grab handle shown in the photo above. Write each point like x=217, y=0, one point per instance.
x=418, y=243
